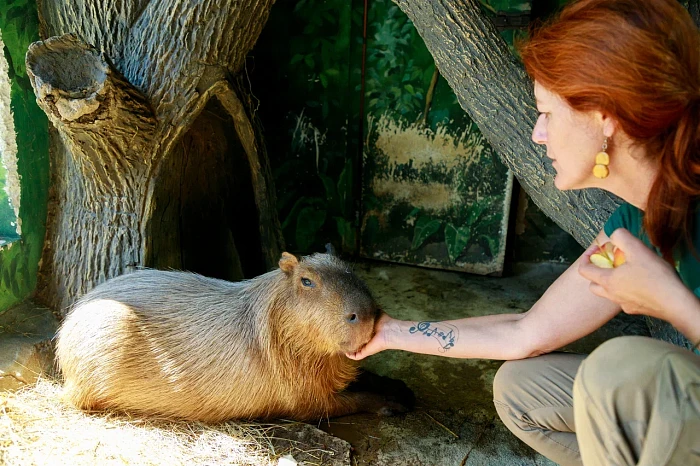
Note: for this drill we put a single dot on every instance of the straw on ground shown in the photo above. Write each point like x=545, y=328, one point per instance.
x=36, y=428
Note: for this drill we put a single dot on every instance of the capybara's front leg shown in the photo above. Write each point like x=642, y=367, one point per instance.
x=346, y=403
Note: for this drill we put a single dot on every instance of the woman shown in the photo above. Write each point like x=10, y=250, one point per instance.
x=620, y=77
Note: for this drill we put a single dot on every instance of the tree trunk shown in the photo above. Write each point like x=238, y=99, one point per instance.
x=493, y=88
x=131, y=157
x=107, y=125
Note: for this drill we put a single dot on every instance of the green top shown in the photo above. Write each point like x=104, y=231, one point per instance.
x=629, y=217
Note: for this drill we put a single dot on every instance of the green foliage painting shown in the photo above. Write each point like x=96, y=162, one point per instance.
x=19, y=26
x=434, y=191
x=8, y=231
x=411, y=179
x=309, y=89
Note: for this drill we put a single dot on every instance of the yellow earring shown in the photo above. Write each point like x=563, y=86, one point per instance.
x=602, y=160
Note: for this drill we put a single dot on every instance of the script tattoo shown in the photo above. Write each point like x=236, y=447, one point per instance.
x=445, y=334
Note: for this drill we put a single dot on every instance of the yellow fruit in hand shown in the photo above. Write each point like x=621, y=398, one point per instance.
x=618, y=257
x=607, y=256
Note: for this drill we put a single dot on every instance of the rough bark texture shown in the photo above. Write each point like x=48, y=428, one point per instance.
x=108, y=126
x=126, y=111
x=493, y=88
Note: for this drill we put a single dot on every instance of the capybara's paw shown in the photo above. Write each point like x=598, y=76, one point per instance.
x=392, y=408
x=379, y=404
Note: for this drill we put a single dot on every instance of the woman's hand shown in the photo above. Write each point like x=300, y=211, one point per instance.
x=380, y=340
x=644, y=284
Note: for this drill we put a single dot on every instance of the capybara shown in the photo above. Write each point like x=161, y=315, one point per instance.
x=180, y=345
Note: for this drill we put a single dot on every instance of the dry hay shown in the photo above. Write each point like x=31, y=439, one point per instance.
x=36, y=428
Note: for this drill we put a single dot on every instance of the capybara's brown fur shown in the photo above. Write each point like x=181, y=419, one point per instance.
x=181, y=345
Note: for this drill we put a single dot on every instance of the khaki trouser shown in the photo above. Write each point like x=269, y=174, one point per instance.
x=633, y=401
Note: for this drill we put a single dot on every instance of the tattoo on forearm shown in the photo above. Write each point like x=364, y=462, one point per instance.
x=445, y=334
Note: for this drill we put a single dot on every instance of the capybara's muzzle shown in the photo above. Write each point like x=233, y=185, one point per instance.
x=360, y=325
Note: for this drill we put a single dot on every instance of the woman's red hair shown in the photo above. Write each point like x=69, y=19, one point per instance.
x=639, y=61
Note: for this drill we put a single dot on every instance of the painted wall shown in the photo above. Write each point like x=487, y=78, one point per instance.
x=8, y=218
x=434, y=192
x=306, y=74
x=19, y=260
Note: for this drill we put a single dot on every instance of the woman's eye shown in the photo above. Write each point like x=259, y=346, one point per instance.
x=307, y=282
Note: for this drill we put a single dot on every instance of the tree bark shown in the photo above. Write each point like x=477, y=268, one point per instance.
x=124, y=107
x=108, y=126
x=493, y=88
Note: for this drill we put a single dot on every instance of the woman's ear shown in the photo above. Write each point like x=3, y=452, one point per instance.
x=609, y=125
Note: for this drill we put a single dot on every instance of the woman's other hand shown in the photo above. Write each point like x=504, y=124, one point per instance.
x=644, y=284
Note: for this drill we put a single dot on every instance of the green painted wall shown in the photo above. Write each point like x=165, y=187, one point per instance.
x=305, y=74
x=8, y=231
x=19, y=261
x=434, y=191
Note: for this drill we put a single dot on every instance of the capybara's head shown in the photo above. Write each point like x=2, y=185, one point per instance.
x=335, y=305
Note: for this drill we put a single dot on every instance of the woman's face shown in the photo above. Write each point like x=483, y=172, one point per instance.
x=572, y=140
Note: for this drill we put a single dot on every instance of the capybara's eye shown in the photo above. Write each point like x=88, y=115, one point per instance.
x=307, y=282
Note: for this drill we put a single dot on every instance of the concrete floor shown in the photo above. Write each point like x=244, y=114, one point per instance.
x=454, y=421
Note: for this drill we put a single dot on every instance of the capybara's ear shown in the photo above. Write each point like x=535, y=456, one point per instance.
x=288, y=262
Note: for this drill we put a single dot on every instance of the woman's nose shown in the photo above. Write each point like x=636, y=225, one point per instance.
x=539, y=132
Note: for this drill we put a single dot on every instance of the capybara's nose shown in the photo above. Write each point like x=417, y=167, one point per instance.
x=357, y=315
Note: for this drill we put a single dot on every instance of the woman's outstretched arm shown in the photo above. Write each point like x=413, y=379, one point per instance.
x=567, y=311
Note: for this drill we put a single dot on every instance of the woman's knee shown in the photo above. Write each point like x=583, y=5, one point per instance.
x=620, y=361
x=534, y=395
x=529, y=382
x=505, y=393
x=507, y=377
x=620, y=346
x=629, y=396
